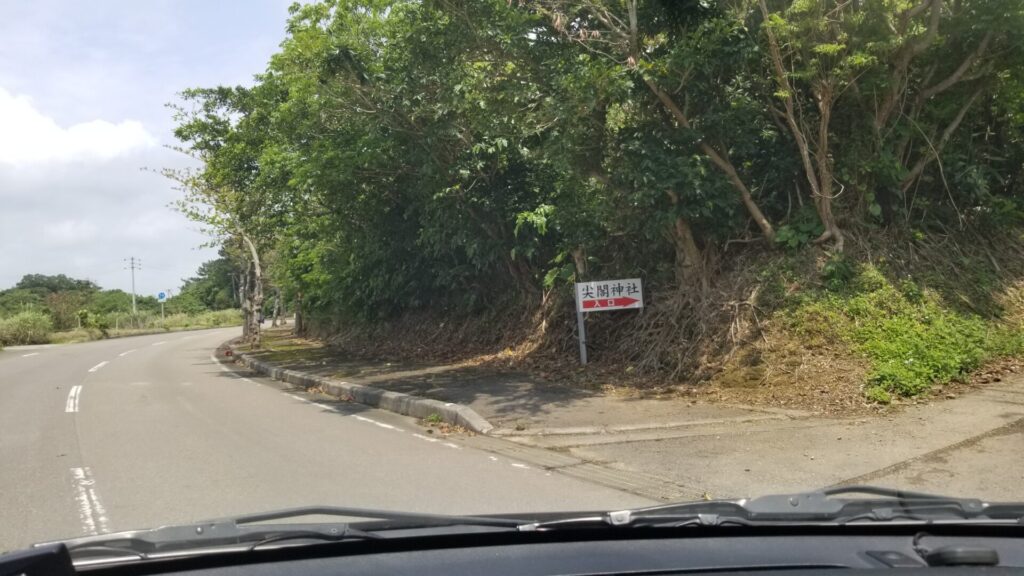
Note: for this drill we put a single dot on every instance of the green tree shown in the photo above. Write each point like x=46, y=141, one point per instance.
x=58, y=283
x=17, y=300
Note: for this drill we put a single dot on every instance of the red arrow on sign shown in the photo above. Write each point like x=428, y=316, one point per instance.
x=609, y=303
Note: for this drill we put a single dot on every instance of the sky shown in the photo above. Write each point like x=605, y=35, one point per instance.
x=84, y=128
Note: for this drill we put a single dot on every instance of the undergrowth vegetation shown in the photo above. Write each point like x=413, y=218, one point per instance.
x=25, y=328
x=916, y=328
x=33, y=327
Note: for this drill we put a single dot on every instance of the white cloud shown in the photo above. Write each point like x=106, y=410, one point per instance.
x=152, y=225
x=27, y=136
x=63, y=64
x=69, y=232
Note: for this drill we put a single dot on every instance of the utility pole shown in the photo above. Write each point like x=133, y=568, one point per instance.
x=133, y=265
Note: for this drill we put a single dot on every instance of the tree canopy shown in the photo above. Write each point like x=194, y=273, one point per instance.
x=454, y=155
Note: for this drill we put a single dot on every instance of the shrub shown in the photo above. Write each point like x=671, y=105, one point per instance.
x=837, y=273
x=910, y=338
x=27, y=327
x=211, y=319
x=75, y=336
x=220, y=318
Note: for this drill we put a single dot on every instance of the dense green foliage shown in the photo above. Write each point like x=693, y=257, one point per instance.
x=39, y=305
x=457, y=155
x=212, y=288
x=911, y=339
x=26, y=327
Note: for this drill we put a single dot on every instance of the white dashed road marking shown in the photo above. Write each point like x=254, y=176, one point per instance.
x=159, y=343
x=32, y=354
x=356, y=416
x=90, y=511
x=126, y=352
x=73, y=395
x=374, y=422
x=98, y=366
x=222, y=367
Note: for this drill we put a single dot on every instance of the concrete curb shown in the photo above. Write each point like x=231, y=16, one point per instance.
x=406, y=404
x=619, y=429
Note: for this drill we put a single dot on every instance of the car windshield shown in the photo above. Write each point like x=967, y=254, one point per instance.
x=506, y=257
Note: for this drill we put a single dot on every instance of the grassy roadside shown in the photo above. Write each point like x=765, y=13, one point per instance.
x=888, y=324
x=911, y=338
x=83, y=335
x=895, y=320
x=36, y=328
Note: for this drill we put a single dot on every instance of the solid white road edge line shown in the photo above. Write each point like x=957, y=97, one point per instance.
x=92, y=514
x=374, y=422
x=72, y=403
x=98, y=366
x=333, y=409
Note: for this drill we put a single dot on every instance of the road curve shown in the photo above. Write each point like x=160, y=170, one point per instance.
x=150, y=430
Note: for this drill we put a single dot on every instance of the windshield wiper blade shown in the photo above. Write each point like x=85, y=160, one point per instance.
x=879, y=503
x=701, y=512
x=251, y=531
x=829, y=506
x=402, y=519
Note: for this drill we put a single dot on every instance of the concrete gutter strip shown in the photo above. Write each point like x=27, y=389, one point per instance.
x=397, y=402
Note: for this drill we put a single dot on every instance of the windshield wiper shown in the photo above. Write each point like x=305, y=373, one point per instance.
x=827, y=506
x=250, y=532
x=831, y=506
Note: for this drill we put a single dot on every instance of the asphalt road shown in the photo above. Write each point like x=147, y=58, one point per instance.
x=150, y=430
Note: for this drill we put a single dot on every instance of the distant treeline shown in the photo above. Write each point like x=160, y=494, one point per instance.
x=40, y=304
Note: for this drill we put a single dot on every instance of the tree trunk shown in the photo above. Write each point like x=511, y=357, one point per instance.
x=244, y=302
x=719, y=160
x=817, y=170
x=579, y=259
x=935, y=149
x=300, y=325
x=689, y=261
x=823, y=159
x=689, y=266
x=630, y=32
x=900, y=69
x=256, y=292
x=277, y=308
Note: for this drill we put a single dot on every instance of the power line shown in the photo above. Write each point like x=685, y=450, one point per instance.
x=133, y=265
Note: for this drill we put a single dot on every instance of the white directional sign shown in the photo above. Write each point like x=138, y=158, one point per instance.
x=609, y=295
x=161, y=297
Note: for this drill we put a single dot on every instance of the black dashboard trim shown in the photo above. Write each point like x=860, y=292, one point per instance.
x=510, y=538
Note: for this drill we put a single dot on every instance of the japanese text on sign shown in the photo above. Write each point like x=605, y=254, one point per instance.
x=609, y=295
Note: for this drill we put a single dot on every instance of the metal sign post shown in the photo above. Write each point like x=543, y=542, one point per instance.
x=603, y=295
x=581, y=326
